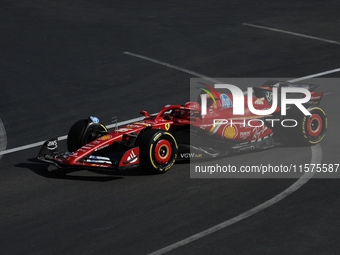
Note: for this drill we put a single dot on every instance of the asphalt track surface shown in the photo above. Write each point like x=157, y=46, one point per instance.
x=62, y=61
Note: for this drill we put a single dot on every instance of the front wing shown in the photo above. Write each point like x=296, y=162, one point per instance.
x=49, y=153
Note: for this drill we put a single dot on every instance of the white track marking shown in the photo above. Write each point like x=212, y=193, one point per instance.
x=173, y=67
x=292, y=33
x=315, y=75
x=316, y=159
x=21, y=148
x=217, y=81
x=3, y=138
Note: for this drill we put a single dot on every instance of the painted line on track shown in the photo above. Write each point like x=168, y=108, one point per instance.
x=316, y=159
x=215, y=80
x=292, y=33
x=3, y=138
x=172, y=66
x=315, y=75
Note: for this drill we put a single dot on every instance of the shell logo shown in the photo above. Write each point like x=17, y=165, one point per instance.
x=229, y=132
x=105, y=137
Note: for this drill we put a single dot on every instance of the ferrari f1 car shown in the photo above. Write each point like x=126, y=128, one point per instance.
x=182, y=132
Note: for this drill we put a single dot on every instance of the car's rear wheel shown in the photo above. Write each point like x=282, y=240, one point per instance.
x=158, y=151
x=311, y=129
x=83, y=132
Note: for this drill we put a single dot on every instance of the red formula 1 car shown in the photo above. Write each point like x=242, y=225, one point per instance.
x=181, y=132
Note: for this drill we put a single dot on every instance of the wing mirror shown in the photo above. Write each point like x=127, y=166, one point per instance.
x=144, y=113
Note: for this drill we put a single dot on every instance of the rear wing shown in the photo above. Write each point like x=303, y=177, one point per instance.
x=265, y=91
x=280, y=84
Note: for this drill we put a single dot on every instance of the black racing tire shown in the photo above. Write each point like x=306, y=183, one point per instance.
x=158, y=151
x=311, y=129
x=83, y=132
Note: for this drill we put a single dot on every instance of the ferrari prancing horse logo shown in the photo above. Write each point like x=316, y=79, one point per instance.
x=167, y=126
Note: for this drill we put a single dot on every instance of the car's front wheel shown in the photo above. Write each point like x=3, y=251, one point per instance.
x=83, y=132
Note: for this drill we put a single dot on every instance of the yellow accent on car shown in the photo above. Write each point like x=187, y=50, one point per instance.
x=151, y=157
x=229, y=132
x=172, y=138
x=157, y=136
x=103, y=127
